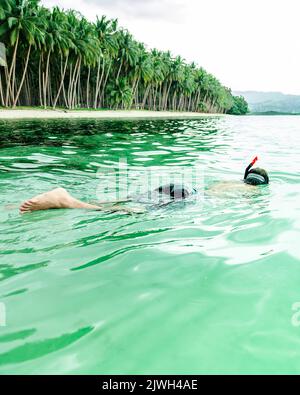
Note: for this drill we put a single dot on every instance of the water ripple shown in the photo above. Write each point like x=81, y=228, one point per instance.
x=207, y=285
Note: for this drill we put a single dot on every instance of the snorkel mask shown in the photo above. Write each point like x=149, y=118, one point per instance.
x=252, y=177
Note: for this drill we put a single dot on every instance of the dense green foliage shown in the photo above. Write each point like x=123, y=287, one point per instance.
x=239, y=107
x=59, y=58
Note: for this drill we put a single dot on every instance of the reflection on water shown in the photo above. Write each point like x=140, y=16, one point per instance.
x=204, y=285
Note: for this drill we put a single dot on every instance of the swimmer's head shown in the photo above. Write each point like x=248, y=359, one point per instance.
x=257, y=176
x=174, y=191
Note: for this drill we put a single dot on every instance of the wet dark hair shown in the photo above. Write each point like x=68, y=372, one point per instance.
x=257, y=176
x=174, y=191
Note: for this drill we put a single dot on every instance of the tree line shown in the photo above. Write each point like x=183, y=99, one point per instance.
x=57, y=58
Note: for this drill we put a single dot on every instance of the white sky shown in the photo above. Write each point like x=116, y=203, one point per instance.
x=246, y=44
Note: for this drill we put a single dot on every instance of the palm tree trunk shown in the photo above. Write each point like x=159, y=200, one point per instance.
x=119, y=71
x=88, y=88
x=50, y=90
x=61, y=81
x=150, y=99
x=180, y=102
x=196, y=107
x=155, y=97
x=75, y=79
x=40, y=82
x=160, y=97
x=101, y=80
x=97, y=82
x=98, y=85
x=26, y=87
x=8, y=83
x=23, y=77
x=45, y=80
x=71, y=83
x=14, y=82
x=1, y=91
x=105, y=82
x=189, y=104
x=167, y=95
x=146, y=95
x=164, y=93
x=174, y=100
x=134, y=89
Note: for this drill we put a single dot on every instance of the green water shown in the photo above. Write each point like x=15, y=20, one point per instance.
x=202, y=287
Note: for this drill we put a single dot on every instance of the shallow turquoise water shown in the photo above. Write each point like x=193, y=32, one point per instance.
x=202, y=287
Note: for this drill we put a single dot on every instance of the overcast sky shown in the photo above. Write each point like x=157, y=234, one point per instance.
x=246, y=44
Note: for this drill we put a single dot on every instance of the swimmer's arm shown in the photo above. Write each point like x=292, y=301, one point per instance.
x=113, y=201
x=128, y=210
x=165, y=204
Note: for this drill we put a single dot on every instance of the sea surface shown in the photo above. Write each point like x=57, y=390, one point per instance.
x=208, y=285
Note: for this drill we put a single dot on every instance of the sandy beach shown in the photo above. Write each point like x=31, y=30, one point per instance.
x=81, y=114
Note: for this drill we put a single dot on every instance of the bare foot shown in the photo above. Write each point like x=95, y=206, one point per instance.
x=55, y=199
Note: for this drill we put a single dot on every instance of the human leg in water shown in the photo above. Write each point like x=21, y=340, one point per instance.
x=59, y=198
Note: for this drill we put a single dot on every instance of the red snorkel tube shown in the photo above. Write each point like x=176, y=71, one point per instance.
x=250, y=166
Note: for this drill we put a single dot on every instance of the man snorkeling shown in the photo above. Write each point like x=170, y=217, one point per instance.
x=252, y=177
x=59, y=198
x=255, y=176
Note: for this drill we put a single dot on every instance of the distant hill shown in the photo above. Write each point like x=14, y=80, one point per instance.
x=265, y=102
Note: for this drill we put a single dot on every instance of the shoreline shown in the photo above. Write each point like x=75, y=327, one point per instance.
x=13, y=114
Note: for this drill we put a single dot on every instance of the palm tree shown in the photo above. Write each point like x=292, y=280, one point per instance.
x=64, y=43
x=142, y=71
x=120, y=94
x=108, y=49
x=30, y=27
x=77, y=63
x=20, y=25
